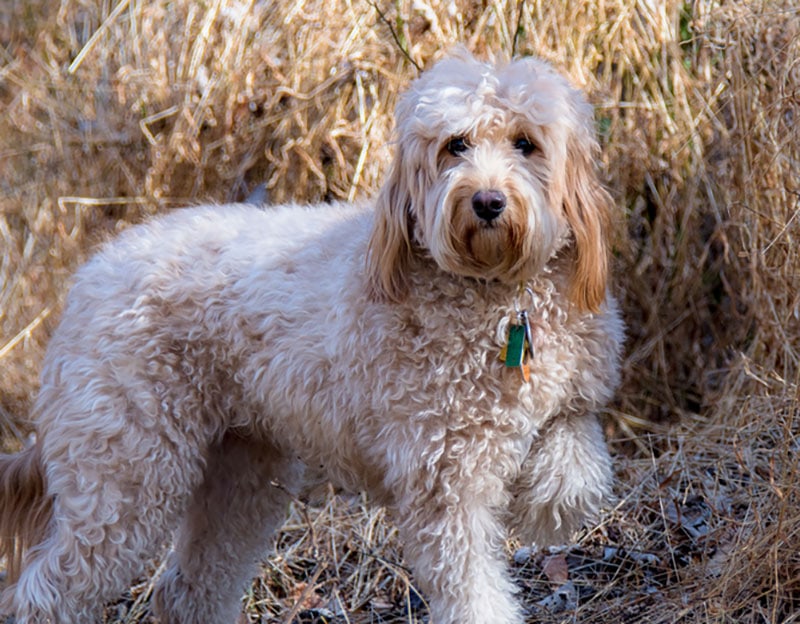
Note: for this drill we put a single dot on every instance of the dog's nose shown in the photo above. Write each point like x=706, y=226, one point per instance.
x=488, y=205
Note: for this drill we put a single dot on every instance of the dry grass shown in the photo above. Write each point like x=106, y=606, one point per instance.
x=110, y=111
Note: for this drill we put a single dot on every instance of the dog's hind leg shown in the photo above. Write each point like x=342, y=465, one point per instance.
x=225, y=532
x=117, y=492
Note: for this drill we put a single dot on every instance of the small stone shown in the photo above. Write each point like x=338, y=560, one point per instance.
x=523, y=555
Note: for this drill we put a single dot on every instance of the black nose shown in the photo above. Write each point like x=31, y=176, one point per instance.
x=488, y=205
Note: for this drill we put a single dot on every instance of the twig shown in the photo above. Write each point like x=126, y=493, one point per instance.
x=25, y=333
x=302, y=508
x=310, y=587
x=396, y=38
x=521, y=5
x=73, y=67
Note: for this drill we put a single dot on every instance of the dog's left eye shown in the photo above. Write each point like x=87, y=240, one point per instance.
x=457, y=145
x=525, y=145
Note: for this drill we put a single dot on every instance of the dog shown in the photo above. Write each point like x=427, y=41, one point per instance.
x=445, y=348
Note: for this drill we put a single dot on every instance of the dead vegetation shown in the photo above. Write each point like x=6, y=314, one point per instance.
x=112, y=110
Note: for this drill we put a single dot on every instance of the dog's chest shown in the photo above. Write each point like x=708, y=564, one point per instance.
x=368, y=381
x=453, y=357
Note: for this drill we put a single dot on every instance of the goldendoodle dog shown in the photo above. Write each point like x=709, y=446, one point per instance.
x=444, y=348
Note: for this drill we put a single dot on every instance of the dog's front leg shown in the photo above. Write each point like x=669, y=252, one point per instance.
x=564, y=481
x=453, y=539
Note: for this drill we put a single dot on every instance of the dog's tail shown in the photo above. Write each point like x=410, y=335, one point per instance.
x=25, y=508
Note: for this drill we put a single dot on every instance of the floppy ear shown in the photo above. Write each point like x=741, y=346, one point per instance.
x=389, y=250
x=587, y=206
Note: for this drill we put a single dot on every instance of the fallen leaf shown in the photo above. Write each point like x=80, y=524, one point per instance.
x=555, y=568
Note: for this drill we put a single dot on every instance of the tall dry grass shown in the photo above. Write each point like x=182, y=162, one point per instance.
x=113, y=110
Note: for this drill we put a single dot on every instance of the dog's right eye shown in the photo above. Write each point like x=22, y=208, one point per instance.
x=525, y=145
x=457, y=145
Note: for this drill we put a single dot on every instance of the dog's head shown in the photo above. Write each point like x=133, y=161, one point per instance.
x=493, y=176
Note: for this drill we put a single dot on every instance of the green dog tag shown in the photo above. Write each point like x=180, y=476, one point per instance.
x=515, y=350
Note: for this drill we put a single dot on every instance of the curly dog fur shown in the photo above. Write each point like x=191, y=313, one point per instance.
x=208, y=355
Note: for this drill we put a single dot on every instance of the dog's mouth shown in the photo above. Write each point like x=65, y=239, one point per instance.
x=487, y=225
x=490, y=249
x=486, y=243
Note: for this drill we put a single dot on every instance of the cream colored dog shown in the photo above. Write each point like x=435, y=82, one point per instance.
x=206, y=355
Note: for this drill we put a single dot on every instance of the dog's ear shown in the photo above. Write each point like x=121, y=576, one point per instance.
x=389, y=250
x=587, y=206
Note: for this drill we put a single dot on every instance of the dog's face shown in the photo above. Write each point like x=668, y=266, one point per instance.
x=493, y=176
